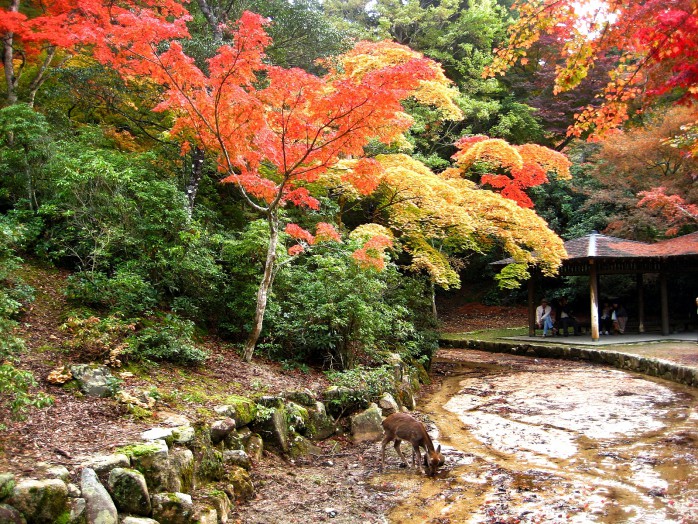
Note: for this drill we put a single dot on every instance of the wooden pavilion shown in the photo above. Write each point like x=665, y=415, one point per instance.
x=596, y=254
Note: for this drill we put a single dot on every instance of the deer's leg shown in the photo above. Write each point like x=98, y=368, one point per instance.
x=415, y=451
x=399, y=451
x=386, y=439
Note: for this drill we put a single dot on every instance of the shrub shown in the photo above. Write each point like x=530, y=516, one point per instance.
x=14, y=383
x=167, y=338
x=326, y=308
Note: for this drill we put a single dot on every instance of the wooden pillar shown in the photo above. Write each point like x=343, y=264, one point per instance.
x=532, y=306
x=640, y=302
x=665, y=303
x=594, y=299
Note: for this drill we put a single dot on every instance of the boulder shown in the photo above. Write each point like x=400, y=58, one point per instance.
x=157, y=434
x=94, y=381
x=129, y=491
x=40, y=501
x=208, y=461
x=221, y=429
x=78, y=511
x=99, y=507
x=240, y=487
x=241, y=409
x=254, y=447
x=367, y=425
x=138, y=520
x=103, y=464
x=206, y=515
x=320, y=424
x=183, y=435
x=173, y=508
x=405, y=396
x=7, y=484
x=182, y=470
x=340, y=400
x=297, y=417
x=56, y=472
x=273, y=429
x=153, y=460
x=388, y=404
x=10, y=515
x=302, y=447
x=233, y=440
x=304, y=397
x=236, y=457
x=219, y=500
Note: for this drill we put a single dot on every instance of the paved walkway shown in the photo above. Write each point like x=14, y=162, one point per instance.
x=674, y=356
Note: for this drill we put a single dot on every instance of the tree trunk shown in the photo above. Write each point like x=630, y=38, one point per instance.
x=264, y=286
x=8, y=60
x=197, y=164
x=212, y=19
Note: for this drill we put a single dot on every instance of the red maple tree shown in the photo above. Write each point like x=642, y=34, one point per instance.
x=514, y=168
x=38, y=35
x=275, y=130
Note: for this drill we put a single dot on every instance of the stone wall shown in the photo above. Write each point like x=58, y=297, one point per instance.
x=184, y=473
x=653, y=367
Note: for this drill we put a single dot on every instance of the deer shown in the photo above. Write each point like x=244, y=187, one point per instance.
x=401, y=426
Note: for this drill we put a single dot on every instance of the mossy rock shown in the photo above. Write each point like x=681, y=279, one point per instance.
x=274, y=430
x=300, y=446
x=7, y=484
x=320, y=425
x=40, y=501
x=297, y=417
x=208, y=460
x=129, y=491
x=303, y=397
x=241, y=409
x=241, y=484
x=10, y=515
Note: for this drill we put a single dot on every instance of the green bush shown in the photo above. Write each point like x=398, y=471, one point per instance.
x=166, y=338
x=326, y=308
x=15, y=384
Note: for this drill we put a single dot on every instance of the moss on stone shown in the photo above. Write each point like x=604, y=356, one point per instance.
x=7, y=484
x=139, y=450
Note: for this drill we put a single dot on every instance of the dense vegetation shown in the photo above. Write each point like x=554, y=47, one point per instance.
x=412, y=167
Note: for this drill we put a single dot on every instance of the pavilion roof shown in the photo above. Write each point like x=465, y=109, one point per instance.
x=596, y=245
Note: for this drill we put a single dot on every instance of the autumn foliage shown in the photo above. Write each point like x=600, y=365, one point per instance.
x=40, y=35
x=513, y=168
x=433, y=216
x=656, y=44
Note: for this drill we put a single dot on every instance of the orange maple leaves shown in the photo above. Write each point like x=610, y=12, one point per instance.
x=518, y=167
x=657, y=42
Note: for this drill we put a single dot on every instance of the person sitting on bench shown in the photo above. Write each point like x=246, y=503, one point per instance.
x=566, y=319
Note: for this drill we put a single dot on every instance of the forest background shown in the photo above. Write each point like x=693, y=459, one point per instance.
x=310, y=182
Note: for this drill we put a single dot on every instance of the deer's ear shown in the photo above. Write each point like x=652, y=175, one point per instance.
x=438, y=450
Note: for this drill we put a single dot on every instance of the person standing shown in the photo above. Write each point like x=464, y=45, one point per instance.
x=543, y=319
x=619, y=317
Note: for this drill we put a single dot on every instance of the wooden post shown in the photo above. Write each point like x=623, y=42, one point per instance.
x=594, y=299
x=531, y=306
x=640, y=303
x=665, y=303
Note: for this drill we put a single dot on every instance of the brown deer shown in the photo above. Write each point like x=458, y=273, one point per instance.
x=401, y=426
